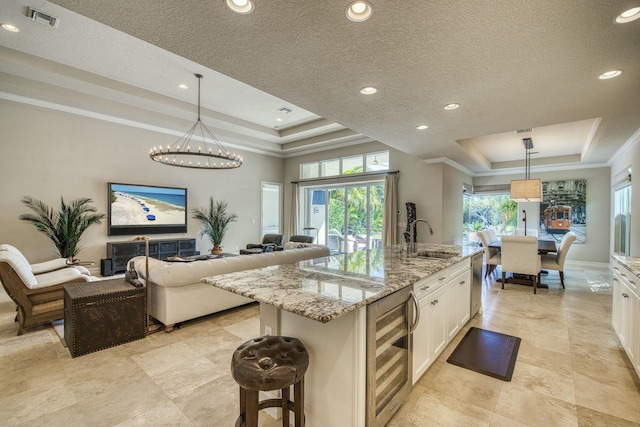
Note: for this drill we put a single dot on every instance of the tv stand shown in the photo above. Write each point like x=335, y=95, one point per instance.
x=121, y=252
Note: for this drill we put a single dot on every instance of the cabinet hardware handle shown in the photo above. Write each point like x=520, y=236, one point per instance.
x=462, y=282
x=632, y=282
x=434, y=302
x=615, y=268
x=625, y=295
x=442, y=278
x=416, y=304
x=424, y=288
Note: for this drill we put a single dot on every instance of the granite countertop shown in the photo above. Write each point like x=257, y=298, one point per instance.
x=632, y=263
x=326, y=288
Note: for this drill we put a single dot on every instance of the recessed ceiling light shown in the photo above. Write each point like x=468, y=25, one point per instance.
x=368, y=90
x=628, y=15
x=242, y=7
x=422, y=127
x=279, y=119
x=359, y=11
x=451, y=106
x=609, y=74
x=183, y=86
x=11, y=28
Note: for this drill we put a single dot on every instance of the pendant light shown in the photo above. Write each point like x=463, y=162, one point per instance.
x=194, y=151
x=526, y=190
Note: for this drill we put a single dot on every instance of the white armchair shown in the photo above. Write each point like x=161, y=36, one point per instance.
x=46, y=266
x=520, y=255
x=556, y=261
x=38, y=297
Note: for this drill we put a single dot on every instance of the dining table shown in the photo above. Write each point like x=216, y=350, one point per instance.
x=544, y=247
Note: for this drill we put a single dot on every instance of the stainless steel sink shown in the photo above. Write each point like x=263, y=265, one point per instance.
x=434, y=255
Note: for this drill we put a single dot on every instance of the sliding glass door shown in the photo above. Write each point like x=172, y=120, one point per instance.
x=346, y=218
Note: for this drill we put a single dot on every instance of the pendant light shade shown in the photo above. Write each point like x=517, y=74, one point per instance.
x=526, y=190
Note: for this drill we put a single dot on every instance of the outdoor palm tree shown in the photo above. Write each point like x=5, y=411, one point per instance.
x=65, y=226
x=215, y=222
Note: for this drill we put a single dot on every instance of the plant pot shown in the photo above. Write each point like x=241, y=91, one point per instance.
x=217, y=249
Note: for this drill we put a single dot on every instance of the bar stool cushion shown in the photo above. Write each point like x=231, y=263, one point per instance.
x=269, y=363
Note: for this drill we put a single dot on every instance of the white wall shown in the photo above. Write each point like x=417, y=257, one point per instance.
x=596, y=247
x=47, y=154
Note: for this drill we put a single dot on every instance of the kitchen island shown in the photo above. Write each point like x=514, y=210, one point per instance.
x=324, y=303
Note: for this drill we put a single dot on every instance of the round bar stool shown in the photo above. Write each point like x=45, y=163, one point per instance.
x=270, y=363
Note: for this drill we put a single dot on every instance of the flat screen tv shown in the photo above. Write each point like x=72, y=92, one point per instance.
x=146, y=209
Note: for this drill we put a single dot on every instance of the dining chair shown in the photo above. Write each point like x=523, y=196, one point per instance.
x=530, y=232
x=520, y=255
x=491, y=255
x=556, y=261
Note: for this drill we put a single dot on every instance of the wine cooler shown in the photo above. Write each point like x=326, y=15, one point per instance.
x=390, y=322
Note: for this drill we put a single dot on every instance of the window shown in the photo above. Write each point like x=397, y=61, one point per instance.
x=377, y=161
x=347, y=218
x=330, y=167
x=271, y=201
x=351, y=165
x=309, y=170
x=370, y=162
x=481, y=212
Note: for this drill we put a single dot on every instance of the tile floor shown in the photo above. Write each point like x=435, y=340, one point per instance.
x=570, y=369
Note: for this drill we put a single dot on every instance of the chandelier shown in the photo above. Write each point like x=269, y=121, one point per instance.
x=526, y=190
x=194, y=151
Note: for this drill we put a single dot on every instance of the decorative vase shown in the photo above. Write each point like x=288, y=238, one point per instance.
x=217, y=249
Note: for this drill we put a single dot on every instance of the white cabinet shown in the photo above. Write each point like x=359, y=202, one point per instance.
x=625, y=313
x=436, y=321
x=445, y=306
x=459, y=303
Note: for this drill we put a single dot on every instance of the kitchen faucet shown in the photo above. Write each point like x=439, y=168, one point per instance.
x=413, y=231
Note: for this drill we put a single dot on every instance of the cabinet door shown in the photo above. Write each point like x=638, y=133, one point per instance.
x=459, y=302
x=422, y=357
x=634, y=343
x=437, y=321
x=629, y=334
x=616, y=306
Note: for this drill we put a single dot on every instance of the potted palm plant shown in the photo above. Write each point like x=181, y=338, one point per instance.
x=66, y=225
x=215, y=222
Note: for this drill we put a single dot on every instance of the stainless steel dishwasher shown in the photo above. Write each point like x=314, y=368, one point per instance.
x=476, y=283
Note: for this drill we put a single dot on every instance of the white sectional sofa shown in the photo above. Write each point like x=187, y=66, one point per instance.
x=177, y=294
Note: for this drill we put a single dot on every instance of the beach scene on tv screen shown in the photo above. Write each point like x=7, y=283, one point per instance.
x=141, y=205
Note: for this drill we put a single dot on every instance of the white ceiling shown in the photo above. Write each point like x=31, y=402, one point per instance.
x=511, y=65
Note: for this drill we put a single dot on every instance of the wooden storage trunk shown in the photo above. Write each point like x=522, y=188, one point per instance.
x=103, y=314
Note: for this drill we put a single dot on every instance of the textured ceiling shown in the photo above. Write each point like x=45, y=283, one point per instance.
x=511, y=65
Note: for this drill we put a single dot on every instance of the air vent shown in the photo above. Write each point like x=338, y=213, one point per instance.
x=524, y=130
x=285, y=110
x=43, y=18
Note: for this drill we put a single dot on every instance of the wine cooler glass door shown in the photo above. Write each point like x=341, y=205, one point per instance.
x=388, y=356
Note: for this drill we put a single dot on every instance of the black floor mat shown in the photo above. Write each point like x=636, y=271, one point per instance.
x=487, y=352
